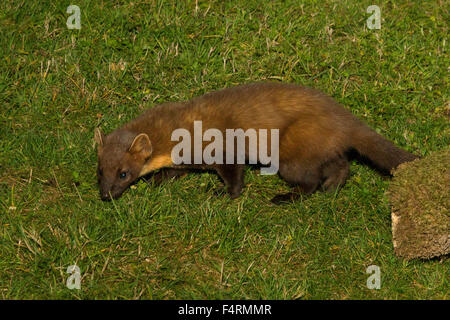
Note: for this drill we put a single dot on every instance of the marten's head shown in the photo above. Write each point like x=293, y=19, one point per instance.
x=121, y=158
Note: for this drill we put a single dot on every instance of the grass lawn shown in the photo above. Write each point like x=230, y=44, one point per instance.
x=181, y=240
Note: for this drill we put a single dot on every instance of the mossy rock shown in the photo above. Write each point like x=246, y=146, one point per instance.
x=419, y=199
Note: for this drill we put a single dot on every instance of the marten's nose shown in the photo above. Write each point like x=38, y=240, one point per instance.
x=105, y=196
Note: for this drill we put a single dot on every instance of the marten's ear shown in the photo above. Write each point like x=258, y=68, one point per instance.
x=141, y=146
x=98, y=136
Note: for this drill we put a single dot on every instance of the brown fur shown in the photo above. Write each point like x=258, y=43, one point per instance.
x=315, y=135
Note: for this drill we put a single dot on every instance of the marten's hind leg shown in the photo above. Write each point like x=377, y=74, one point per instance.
x=304, y=179
x=334, y=174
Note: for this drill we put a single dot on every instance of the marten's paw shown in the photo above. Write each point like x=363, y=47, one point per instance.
x=235, y=194
x=284, y=198
x=222, y=192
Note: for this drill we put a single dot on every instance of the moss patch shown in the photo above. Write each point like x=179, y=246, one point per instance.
x=419, y=202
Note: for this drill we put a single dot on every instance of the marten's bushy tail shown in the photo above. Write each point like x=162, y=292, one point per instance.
x=381, y=152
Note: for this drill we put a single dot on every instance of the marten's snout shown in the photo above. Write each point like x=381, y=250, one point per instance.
x=105, y=196
x=106, y=190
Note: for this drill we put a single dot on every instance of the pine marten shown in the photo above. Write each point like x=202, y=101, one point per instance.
x=315, y=135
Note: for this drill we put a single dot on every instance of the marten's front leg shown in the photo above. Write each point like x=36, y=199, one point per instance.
x=233, y=176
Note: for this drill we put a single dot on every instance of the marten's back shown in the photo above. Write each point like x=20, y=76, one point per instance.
x=267, y=105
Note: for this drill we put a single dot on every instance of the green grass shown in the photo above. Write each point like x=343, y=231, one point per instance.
x=181, y=240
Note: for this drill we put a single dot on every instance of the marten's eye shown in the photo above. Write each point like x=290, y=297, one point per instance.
x=123, y=175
